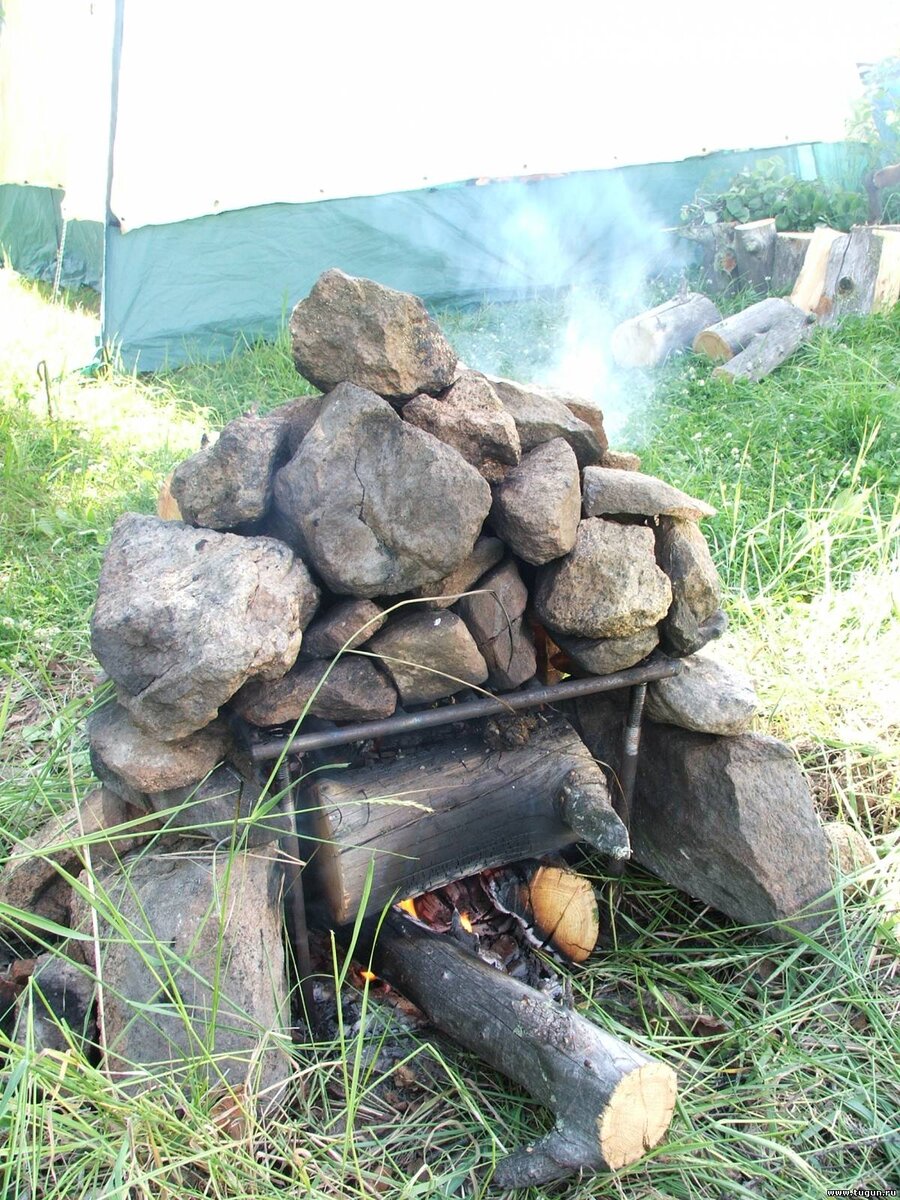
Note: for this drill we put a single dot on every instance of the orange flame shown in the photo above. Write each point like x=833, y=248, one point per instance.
x=408, y=906
x=465, y=922
x=369, y=976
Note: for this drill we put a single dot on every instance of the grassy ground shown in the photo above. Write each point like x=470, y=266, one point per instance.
x=792, y=1085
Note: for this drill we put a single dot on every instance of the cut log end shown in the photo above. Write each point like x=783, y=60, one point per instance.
x=713, y=346
x=638, y=1115
x=565, y=911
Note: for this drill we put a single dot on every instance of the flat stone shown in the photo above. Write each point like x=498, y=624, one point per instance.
x=541, y=414
x=197, y=992
x=354, y=330
x=470, y=417
x=537, y=507
x=605, y=656
x=144, y=762
x=591, y=414
x=620, y=460
x=608, y=586
x=610, y=492
x=429, y=655
x=353, y=689
x=707, y=696
x=683, y=554
x=381, y=506
x=486, y=553
x=55, y=1011
x=495, y=617
x=346, y=625
x=222, y=807
x=184, y=617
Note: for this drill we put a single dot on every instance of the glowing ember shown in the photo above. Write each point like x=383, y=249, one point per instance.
x=465, y=922
x=408, y=906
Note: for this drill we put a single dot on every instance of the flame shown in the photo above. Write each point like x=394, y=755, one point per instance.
x=408, y=906
x=369, y=976
x=465, y=922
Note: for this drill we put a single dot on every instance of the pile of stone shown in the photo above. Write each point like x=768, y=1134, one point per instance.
x=409, y=535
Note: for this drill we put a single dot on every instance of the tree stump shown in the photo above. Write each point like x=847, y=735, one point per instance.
x=754, y=250
x=810, y=286
x=790, y=252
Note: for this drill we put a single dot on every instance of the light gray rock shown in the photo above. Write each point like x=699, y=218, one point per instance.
x=184, y=617
x=55, y=1011
x=537, y=507
x=346, y=625
x=608, y=586
x=381, y=506
x=222, y=807
x=707, y=696
x=355, y=330
x=353, y=689
x=197, y=992
x=541, y=414
x=470, y=418
x=609, y=492
x=605, y=656
x=495, y=617
x=683, y=554
x=429, y=655
x=486, y=553
x=145, y=763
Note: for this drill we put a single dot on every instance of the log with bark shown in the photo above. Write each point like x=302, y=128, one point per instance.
x=647, y=340
x=765, y=352
x=612, y=1103
x=810, y=286
x=790, y=252
x=850, y=275
x=754, y=251
x=718, y=264
x=729, y=337
x=437, y=814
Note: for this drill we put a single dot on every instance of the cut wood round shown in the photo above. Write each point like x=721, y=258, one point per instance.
x=810, y=286
x=887, y=284
x=611, y=1102
x=556, y=905
x=722, y=341
x=648, y=339
x=790, y=251
x=754, y=250
x=765, y=352
x=438, y=814
x=851, y=275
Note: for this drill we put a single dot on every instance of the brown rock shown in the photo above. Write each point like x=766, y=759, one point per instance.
x=609, y=492
x=494, y=615
x=605, y=656
x=608, y=586
x=380, y=506
x=470, y=418
x=145, y=763
x=620, y=460
x=429, y=655
x=346, y=625
x=683, y=554
x=537, y=507
x=350, y=689
x=486, y=553
x=541, y=415
x=357, y=331
x=591, y=414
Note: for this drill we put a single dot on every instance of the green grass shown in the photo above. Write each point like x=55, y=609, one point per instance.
x=797, y=1089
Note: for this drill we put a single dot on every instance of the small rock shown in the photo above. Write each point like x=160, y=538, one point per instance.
x=608, y=586
x=706, y=696
x=54, y=1012
x=541, y=415
x=537, y=507
x=351, y=689
x=591, y=414
x=495, y=618
x=197, y=992
x=145, y=763
x=429, y=655
x=345, y=626
x=683, y=554
x=357, y=331
x=184, y=617
x=620, y=460
x=470, y=418
x=223, y=806
x=849, y=850
x=605, y=656
x=486, y=553
x=609, y=492
x=381, y=506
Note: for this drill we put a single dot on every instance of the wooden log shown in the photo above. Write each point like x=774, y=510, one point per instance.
x=765, y=352
x=718, y=265
x=754, y=250
x=887, y=283
x=557, y=906
x=850, y=275
x=166, y=504
x=722, y=341
x=648, y=339
x=438, y=814
x=887, y=176
x=790, y=252
x=611, y=1102
x=810, y=285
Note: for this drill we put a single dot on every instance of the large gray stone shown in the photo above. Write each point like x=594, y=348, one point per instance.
x=355, y=330
x=145, y=763
x=486, y=553
x=196, y=992
x=184, y=617
x=470, y=417
x=707, y=696
x=429, y=655
x=605, y=656
x=381, y=506
x=222, y=807
x=230, y=482
x=610, y=492
x=346, y=625
x=683, y=554
x=541, y=414
x=537, y=507
x=55, y=1011
x=352, y=689
x=608, y=586
x=495, y=615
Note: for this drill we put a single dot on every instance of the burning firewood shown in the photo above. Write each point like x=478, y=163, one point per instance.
x=556, y=905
